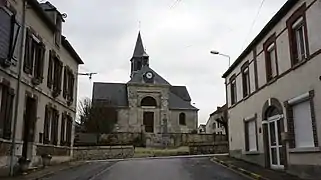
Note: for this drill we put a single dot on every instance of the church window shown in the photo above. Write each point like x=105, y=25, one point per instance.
x=182, y=119
x=148, y=101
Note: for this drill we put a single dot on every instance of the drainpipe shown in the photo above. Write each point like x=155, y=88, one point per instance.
x=22, y=40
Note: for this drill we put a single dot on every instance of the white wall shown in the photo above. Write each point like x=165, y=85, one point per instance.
x=293, y=84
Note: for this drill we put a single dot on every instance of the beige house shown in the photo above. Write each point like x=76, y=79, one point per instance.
x=274, y=93
x=213, y=124
x=43, y=103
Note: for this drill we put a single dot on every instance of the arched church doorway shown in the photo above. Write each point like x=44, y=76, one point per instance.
x=148, y=116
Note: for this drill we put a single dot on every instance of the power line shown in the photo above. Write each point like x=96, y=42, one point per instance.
x=254, y=21
x=174, y=4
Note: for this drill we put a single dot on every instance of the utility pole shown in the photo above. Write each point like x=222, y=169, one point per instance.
x=22, y=41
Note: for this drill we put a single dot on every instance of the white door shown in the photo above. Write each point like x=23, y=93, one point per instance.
x=275, y=143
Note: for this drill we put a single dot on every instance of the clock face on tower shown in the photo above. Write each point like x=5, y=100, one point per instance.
x=149, y=77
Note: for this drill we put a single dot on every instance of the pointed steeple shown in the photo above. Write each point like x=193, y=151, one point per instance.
x=140, y=57
x=139, y=47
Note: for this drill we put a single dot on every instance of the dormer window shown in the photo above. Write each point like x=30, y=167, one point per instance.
x=58, y=30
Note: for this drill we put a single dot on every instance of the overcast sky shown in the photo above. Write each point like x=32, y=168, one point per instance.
x=177, y=36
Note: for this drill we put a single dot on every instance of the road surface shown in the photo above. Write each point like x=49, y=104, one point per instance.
x=150, y=169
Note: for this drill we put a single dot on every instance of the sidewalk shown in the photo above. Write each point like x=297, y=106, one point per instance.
x=254, y=171
x=39, y=173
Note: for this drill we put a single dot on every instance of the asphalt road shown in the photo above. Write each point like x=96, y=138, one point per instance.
x=150, y=169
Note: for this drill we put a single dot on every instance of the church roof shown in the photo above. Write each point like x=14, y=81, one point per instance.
x=138, y=76
x=175, y=102
x=115, y=93
x=139, y=47
x=181, y=91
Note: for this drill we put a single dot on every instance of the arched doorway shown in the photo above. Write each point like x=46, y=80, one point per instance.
x=275, y=146
x=148, y=116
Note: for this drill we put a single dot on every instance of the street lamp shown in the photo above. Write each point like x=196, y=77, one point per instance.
x=218, y=53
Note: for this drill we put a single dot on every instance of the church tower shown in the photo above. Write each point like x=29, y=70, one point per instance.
x=140, y=57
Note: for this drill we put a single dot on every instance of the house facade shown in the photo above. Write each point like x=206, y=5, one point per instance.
x=274, y=93
x=213, y=124
x=41, y=99
x=201, y=129
x=147, y=103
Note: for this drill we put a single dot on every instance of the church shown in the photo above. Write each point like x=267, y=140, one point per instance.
x=147, y=102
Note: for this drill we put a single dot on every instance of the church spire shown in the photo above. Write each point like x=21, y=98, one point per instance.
x=139, y=47
x=140, y=57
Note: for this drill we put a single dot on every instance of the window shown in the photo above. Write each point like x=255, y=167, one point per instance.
x=51, y=125
x=69, y=130
x=182, y=119
x=34, y=57
x=66, y=130
x=233, y=90
x=148, y=101
x=63, y=129
x=214, y=125
x=54, y=77
x=270, y=58
x=246, y=80
x=301, y=121
x=9, y=31
x=54, y=127
x=47, y=123
x=298, y=35
x=6, y=105
x=69, y=81
x=299, y=40
x=250, y=135
x=303, y=125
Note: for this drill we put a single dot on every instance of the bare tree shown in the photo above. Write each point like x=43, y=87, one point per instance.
x=97, y=117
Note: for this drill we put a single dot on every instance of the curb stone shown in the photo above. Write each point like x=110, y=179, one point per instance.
x=50, y=173
x=241, y=170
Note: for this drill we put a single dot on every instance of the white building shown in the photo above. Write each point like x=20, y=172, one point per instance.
x=46, y=94
x=274, y=93
x=214, y=123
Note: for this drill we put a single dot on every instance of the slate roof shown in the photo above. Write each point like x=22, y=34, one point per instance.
x=116, y=93
x=181, y=91
x=176, y=102
x=138, y=76
x=139, y=50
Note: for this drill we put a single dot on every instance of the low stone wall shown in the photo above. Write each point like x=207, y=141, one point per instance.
x=214, y=148
x=148, y=139
x=102, y=152
x=53, y=150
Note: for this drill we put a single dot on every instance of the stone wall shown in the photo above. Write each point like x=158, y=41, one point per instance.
x=152, y=140
x=52, y=150
x=214, y=148
x=102, y=152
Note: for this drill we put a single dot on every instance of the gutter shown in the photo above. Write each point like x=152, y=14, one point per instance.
x=22, y=43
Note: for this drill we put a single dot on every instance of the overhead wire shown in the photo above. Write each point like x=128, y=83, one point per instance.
x=253, y=23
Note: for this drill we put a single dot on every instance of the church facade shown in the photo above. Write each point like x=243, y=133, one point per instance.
x=147, y=103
